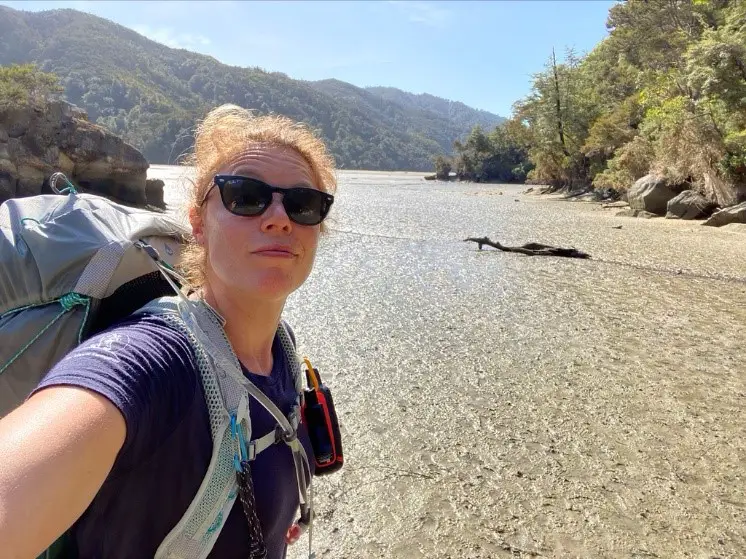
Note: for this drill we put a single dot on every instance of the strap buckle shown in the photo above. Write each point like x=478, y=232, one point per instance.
x=242, y=450
x=281, y=435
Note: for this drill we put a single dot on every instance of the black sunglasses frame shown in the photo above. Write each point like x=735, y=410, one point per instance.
x=267, y=191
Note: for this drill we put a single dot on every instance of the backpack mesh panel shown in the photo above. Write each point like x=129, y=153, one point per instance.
x=195, y=534
x=223, y=476
x=127, y=299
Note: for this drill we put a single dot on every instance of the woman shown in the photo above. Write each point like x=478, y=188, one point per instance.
x=116, y=439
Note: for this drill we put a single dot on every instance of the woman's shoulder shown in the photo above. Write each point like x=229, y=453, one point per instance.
x=148, y=338
x=143, y=364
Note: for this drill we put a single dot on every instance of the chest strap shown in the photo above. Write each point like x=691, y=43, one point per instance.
x=273, y=437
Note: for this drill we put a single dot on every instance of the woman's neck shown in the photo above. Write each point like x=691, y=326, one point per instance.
x=250, y=325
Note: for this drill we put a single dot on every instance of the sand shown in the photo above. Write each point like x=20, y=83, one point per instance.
x=498, y=405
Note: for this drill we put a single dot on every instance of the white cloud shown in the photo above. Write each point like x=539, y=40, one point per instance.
x=424, y=13
x=167, y=36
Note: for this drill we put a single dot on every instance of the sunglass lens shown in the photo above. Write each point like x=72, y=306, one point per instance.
x=306, y=206
x=245, y=197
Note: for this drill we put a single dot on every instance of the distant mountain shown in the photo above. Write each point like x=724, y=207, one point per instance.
x=455, y=111
x=151, y=94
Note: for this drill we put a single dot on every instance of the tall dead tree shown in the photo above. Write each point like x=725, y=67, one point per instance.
x=558, y=105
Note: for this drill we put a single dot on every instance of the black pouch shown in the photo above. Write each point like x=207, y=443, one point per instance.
x=320, y=418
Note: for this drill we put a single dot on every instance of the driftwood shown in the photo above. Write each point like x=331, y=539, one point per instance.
x=531, y=249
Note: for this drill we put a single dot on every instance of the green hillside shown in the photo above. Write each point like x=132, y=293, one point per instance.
x=151, y=95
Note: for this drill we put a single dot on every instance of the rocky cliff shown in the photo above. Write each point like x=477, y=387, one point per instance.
x=38, y=140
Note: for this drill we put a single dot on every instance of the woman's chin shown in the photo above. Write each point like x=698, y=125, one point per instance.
x=271, y=287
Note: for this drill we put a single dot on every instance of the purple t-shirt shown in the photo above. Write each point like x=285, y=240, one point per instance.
x=148, y=370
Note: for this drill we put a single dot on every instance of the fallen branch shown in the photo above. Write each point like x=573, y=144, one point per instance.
x=531, y=249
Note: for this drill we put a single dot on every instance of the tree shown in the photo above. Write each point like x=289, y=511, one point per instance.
x=442, y=168
x=665, y=92
x=27, y=84
x=500, y=155
x=559, y=113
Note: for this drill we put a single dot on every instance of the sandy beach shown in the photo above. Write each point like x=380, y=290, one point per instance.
x=498, y=405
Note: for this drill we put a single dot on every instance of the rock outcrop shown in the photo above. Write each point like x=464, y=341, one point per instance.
x=651, y=193
x=732, y=214
x=38, y=141
x=689, y=205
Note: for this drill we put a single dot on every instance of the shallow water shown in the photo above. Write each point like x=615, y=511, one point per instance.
x=498, y=405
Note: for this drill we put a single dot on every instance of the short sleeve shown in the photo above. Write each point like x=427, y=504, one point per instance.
x=146, y=368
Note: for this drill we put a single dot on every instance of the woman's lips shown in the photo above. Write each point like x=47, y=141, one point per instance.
x=275, y=252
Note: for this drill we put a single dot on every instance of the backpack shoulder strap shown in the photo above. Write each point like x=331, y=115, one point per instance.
x=227, y=396
x=195, y=534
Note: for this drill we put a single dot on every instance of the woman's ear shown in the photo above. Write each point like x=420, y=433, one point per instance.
x=198, y=226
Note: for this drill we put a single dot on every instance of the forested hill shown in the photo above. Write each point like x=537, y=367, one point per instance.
x=664, y=93
x=151, y=95
x=388, y=99
x=457, y=112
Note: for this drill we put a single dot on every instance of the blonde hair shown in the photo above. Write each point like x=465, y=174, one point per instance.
x=220, y=137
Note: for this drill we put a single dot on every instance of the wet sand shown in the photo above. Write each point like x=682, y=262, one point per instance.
x=498, y=405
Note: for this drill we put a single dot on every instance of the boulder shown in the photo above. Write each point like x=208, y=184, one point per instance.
x=689, y=205
x=31, y=175
x=650, y=193
x=65, y=164
x=732, y=214
x=154, y=193
x=7, y=185
x=724, y=193
x=36, y=141
x=6, y=165
x=16, y=119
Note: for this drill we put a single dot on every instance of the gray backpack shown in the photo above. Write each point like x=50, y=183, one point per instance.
x=73, y=264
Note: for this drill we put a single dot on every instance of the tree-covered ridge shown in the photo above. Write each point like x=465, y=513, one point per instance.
x=665, y=92
x=151, y=95
x=393, y=108
x=457, y=112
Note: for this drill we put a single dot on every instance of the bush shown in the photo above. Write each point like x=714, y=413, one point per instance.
x=442, y=168
x=27, y=84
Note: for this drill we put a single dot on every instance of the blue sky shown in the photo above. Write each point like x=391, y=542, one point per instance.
x=480, y=53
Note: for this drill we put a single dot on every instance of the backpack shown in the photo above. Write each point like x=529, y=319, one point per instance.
x=72, y=264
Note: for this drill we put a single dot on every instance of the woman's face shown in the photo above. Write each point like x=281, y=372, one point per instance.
x=264, y=257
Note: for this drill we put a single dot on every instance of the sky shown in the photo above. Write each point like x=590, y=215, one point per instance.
x=480, y=53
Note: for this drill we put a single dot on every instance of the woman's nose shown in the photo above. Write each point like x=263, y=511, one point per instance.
x=276, y=217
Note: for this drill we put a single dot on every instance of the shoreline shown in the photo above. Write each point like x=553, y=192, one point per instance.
x=589, y=197
x=612, y=208
x=582, y=414
x=587, y=393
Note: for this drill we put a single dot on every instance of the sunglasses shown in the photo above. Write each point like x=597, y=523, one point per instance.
x=249, y=197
